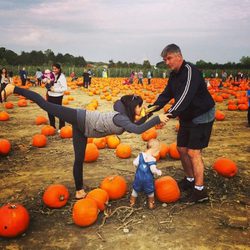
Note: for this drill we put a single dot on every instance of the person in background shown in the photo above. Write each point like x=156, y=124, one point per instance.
x=85, y=78
x=140, y=77
x=248, y=112
x=104, y=73
x=11, y=76
x=56, y=92
x=149, y=76
x=196, y=111
x=90, y=76
x=23, y=76
x=38, y=76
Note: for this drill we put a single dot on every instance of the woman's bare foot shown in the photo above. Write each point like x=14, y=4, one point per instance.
x=6, y=91
x=80, y=194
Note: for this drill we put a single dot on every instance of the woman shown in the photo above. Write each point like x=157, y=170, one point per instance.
x=4, y=78
x=56, y=92
x=92, y=123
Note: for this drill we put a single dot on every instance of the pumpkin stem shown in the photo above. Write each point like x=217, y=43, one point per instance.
x=12, y=206
x=61, y=198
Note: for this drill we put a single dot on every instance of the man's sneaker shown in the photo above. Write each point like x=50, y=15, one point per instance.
x=196, y=196
x=185, y=185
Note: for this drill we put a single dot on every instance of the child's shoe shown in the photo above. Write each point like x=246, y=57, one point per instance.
x=151, y=202
x=132, y=200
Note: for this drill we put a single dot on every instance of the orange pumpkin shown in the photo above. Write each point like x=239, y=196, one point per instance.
x=225, y=167
x=123, y=151
x=91, y=153
x=39, y=140
x=5, y=146
x=149, y=134
x=22, y=103
x=100, y=196
x=85, y=212
x=100, y=142
x=4, y=116
x=48, y=130
x=41, y=120
x=113, y=141
x=173, y=152
x=14, y=220
x=66, y=132
x=164, y=150
x=232, y=107
x=243, y=107
x=56, y=196
x=166, y=189
x=9, y=105
x=219, y=116
x=115, y=186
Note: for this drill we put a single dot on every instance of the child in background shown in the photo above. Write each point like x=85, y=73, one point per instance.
x=48, y=78
x=144, y=176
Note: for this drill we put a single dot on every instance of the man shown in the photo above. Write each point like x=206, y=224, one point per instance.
x=195, y=108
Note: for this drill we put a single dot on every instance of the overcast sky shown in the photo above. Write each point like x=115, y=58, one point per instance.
x=131, y=30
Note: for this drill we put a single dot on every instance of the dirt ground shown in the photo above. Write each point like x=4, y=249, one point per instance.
x=221, y=223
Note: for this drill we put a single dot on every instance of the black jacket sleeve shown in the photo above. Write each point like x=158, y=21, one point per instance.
x=124, y=122
x=186, y=91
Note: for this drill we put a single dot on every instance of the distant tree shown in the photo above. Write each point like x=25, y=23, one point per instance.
x=111, y=64
x=146, y=64
x=245, y=60
x=11, y=57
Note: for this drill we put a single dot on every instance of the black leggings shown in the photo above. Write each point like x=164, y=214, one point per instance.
x=69, y=115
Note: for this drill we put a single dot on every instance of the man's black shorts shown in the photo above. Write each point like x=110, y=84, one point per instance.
x=194, y=136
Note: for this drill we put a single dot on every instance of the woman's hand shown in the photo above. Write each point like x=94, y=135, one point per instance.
x=164, y=118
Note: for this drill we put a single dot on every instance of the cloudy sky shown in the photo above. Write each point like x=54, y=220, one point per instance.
x=128, y=30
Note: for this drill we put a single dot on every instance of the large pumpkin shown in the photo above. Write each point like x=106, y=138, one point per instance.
x=225, y=167
x=100, y=196
x=91, y=153
x=115, y=186
x=123, y=151
x=5, y=146
x=173, y=152
x=14, y=220
x=41, y=120
x=149, y=134
x=166, y=189
x=66, y=132
x=4, y=116
x=85, y=212
x=113, y=141
x=48, y=130
x=39, y=140
x=55, y=196
x=164, y=150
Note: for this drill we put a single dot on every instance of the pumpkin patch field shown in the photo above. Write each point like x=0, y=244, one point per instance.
x=37, y=189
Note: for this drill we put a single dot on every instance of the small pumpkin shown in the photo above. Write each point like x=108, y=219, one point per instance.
x=4, y=116
x=22, y=103
x=123, y=151
x=115, y=186
x=166, y=189
x=48, y=130
x=149, y=134
x=55, y=196
x=9, y=105
x=164, y=150
x=14, y=220
x=5, y=146
x=100, y=142
x=91, y=152
x=113, y=141
x=219, y=115
x=39, y=140
x=41, y=120
x=66, y=132
x=85, y=212
x=173, y=152
x=225, y=167
x=100, y=196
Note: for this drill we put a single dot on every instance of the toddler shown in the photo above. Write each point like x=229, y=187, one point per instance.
x=48, y=78
x=144, y=176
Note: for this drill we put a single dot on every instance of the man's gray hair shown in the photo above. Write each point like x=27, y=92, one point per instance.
x=171, y=48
